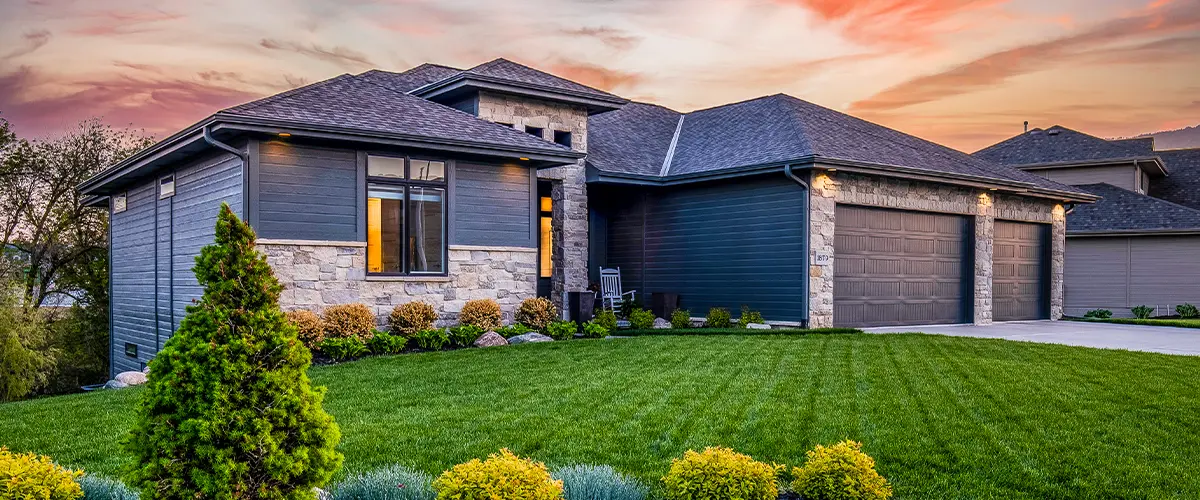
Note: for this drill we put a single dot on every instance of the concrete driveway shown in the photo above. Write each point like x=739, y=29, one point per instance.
x=1164, y=339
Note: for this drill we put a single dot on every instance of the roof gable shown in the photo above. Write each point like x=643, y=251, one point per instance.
x=504, y=69
x=1059, y=144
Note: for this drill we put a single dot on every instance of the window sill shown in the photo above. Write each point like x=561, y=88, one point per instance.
x=427, y=279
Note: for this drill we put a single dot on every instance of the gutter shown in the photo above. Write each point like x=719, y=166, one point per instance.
x=1158, y=161
x=787, y=171
x=1133, y=232
x=214, y=142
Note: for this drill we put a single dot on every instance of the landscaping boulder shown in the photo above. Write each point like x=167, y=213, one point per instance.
x=131, y=378
x=529, y=337
x=490, y=339
x=660, y=324
x=758, y=326
x=115, y=384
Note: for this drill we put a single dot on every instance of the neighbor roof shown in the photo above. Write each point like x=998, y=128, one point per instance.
x=1183, y=185
x=1122, y=210
x=1059, y=144
x=772, y=130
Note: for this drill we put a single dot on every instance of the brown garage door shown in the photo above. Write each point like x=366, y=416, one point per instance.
x=1020, y=271
x=894, y=267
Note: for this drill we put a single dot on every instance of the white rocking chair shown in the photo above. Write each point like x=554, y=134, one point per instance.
x=611, y=295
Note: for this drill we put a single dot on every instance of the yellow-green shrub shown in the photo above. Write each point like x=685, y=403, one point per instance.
x=411, y=317
x=536, y=313
x=349, y=320
x=309, y=327
x=484, y=313
x=719, y=473
x=841, y=471
x=29, y=476
x=502, y=476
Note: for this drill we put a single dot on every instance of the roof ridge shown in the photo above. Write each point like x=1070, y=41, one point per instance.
x=735, y=103
x=286, y=94
x=666, y=167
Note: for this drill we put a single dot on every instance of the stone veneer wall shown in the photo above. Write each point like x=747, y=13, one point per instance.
x=829, y=189
x=319, y=274
x=570, y=237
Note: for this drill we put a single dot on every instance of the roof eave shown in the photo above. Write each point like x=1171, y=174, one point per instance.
x=1160, y=169
x=1134, y=232
x=464, y=82
x=157, y=150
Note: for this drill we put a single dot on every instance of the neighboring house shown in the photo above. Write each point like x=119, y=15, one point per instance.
x=505, y=182
x=1138, y=245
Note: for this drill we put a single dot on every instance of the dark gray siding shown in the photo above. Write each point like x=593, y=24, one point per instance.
x=307, y=193
x=199, y=192
x=721, y=244
x=1118, y=273
x=133, y=278
x=1122, y=176
x=493, y=205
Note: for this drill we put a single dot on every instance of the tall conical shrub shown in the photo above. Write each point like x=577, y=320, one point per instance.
x=229, y=411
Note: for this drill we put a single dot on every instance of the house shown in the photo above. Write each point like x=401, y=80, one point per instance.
x=1139, y=244
x=502, y=181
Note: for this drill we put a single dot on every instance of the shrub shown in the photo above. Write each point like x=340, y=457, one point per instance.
x=513, y=330
x=536, y=313
x=431, y=340
x=25, y=360
x=594, y=330
x=465, y=335
x=309, y=327
x=229, y=410
x=410, y=318
x=747, y=317
x=342, y=349
x=483, y=313
x=1142, y=312
x=680, y=319
x=1187, y=311
x=25, y=475
x=562, y=330
x=607, y=319
x=719, y=473
x=641, y=319
x=718, y=317
x=386, y=343
x=103, y=488
x=592, y=482
x=389, y=483
x=349, y=320
x=841, y=471
x=503, y=476
x=1098, y=314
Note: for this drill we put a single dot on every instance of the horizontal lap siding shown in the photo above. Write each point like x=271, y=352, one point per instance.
x=199, y=192
x=1123, y=176
x=1122, y=272
x=492, y=205
x=307, y=192
x=133, y=278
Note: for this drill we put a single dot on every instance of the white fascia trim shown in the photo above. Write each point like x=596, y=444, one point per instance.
x=666, y=166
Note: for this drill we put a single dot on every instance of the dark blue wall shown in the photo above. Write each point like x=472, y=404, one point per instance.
x=133, y=278
x=307, y=192
x=724, y=243
x=494, y=205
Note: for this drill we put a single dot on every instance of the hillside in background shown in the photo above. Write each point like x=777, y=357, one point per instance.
x=1188, y=137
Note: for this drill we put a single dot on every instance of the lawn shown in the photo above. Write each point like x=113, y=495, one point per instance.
x=1175, y=322
x=945, y=417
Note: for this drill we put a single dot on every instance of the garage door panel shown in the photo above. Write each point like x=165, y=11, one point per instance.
x=899, y=267
x=1020, y=271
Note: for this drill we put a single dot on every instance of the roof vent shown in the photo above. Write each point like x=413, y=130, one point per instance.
x=1053, y=131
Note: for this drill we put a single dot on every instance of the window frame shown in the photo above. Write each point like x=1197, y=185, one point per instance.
x=162, y=195
x=407, y=183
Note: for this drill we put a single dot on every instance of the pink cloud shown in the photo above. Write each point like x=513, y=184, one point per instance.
x=893, y=22
x=337, y=55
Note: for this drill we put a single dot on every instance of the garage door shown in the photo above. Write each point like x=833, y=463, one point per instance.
x=1020, y=271
x=894, y=267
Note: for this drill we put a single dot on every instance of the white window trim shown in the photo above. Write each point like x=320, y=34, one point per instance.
x=162, y=192
x=122, y=205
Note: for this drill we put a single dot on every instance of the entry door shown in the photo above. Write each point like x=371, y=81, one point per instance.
x=1020, y=271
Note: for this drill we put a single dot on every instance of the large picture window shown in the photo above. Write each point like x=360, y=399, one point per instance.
x=406, y=216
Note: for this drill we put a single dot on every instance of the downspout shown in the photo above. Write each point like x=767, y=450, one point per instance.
x=787, y=170
x=214, y=142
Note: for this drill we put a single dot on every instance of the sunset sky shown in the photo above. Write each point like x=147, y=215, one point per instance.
x=960, y=72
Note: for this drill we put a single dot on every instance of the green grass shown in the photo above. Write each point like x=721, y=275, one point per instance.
x=734, y=331
x=1175, y=322
x=945, y=417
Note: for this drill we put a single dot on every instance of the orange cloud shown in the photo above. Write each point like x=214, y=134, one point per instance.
x=110, y=23
x=612, y=37
x=338, y=55
x=594, y=76
x=891, y=21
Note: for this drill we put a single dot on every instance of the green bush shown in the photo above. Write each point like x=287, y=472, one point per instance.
x=536, y=313
x=342, y=349
x=1098, y=314
x=719, y=474
x=718, y=317
x=681, y=318
x=607, y=319
x=1187, y=311
x=513, y=330
x=503, y=476
x=229, y=411
x=412, y=317
x=641, y=319
x=1142, y=312
x=838, y=472
x=432, y=340
x=349, y=320
x=562, y=330
x=594, y=330
x=24, y=361
x=389, y=483
x=386, y=343
x=747, y=317
x=29, y=476
x=483, y=313
x=103, y=488
x=592, y=482
x=465, y=335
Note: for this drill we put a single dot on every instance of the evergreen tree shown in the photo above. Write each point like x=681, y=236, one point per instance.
x=229, y=411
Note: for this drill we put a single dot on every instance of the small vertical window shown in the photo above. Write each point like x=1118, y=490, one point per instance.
x=546, y=231
x=535, y=131
x=562, y=137
x=166, y=187
x=119, y=204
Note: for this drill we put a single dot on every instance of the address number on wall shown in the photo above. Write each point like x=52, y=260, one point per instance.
x=822, y=258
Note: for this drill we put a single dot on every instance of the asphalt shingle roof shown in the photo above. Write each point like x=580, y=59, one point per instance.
x=1060, y=144
x=356, y=102
x=419, y=76
x=1182, y=186
x=1123, y=210
x=631, y=140
x=507, y=70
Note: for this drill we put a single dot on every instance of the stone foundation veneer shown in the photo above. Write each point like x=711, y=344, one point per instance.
x=830, y=189
x=317, y=274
